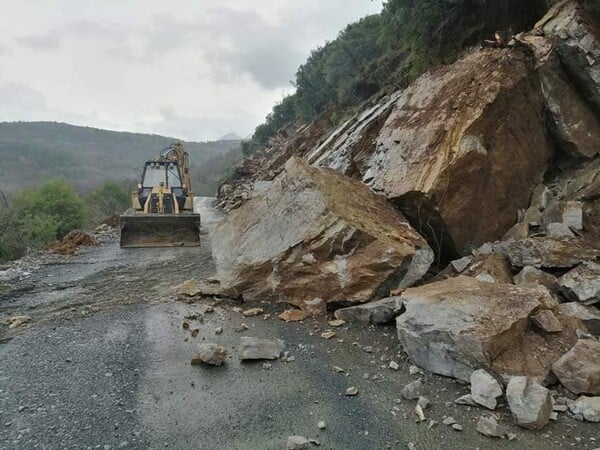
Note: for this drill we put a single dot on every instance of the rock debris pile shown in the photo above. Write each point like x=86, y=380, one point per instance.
x=466, y=208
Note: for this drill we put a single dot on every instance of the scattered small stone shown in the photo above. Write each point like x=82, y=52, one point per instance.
x=423, y=402
x=321, y=425
x=18, y=321
x=560, y=408
x=366, y=376
x=411, y=446
x=431, y=424
x=461, y=264
x=546, y=321
x=419, y=412
x=297, y=443
x=393, y=365
x=465, y=400
x=218, y=330
x=210, y=353
x=412, y=390
x=242, y=327
x=337, y=323
x=414, y=370
x=267, y=366
x=457, y=427
x=485, y=389
x=253, y=312
x=195, y=332
x=256, y=348
x=237, y=309
x=287, y=357
x=488, y=426
x=209, y=309
x=328, y=334
x=587, y=408
x=351, y=391
x=293, y=315
x=338, y=369
x=368, y=349
x=449, y=421
x=486, y=277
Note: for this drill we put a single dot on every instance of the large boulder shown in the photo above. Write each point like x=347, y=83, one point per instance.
x=461, y=324
x=579, y=369
x=316, y=233
x=447, y=151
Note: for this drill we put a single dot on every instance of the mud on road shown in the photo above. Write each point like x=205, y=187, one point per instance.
x=105, y=363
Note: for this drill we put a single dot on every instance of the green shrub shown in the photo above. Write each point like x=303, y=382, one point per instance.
x=49, y=212
x=108, y=200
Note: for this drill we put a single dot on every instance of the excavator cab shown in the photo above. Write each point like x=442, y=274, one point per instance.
x=163, y=205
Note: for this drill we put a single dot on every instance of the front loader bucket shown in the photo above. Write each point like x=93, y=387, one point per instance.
x=160, y=230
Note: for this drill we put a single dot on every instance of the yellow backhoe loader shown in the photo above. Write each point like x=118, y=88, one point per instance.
x=163, y=204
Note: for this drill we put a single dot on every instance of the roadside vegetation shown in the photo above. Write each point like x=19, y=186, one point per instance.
x=33, y=218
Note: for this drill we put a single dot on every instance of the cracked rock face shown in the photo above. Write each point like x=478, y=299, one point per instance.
x=316, y=233
x=451, y=142
x=578, y=46
x=456, y=326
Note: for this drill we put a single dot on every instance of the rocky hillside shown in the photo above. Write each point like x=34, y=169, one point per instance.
x=484, y=196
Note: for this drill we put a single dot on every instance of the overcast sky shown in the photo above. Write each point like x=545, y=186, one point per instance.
x=190, y=69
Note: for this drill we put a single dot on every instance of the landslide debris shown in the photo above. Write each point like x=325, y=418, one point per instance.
x=71, y=242
x=495, y=161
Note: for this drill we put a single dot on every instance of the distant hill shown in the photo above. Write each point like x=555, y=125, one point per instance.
x=230, y=137
x=87, y=157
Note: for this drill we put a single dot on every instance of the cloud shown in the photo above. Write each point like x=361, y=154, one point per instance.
x=221, y=65
x=47, y=41
x=243, y=42
x=20, y=101
x=170, y=123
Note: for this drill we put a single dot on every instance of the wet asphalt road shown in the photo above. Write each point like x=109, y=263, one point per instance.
x=109, y=368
